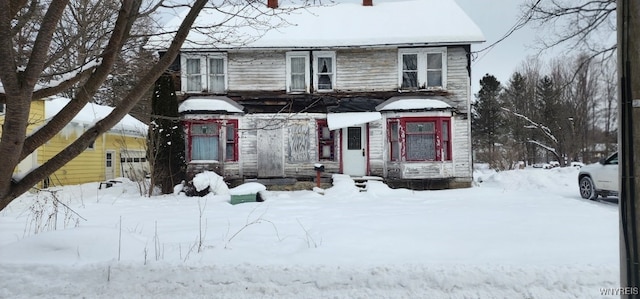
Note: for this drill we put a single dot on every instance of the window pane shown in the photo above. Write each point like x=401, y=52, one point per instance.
x=410, y=62
x=204, y=148
x=231, y=132
x=297, y=65
x=421, y=147
x=326, y=134
x=325, y=65
x=216, y=66
x=194, y=79
x=410, y=71
x=445, y=131
x=326, y=152
x=434, y=61
x=230, y=152
x=395, y=142
x=354, y=138
x=298, y=73
x=420, y=127
x=434, y=78
x=216, y=75
x=204, y=129
x=410, y=79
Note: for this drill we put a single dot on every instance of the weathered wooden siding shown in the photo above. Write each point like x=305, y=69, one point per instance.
x=461, y=147
x=377, y=137
x=264, y=70
x=458, y=80
x=367, y=70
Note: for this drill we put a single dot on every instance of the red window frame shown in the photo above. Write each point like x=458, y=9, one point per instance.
x=223, y=136
x=396, y=140
x=330, y=141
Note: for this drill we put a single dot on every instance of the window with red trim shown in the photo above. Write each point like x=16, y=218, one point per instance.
x=325, y=142
x=419, y=139
x=215, y=139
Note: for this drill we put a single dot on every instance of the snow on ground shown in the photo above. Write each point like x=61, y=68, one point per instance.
x=515, y=234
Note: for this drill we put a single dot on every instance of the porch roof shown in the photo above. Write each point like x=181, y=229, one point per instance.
x=343, y=120
x=414, y=103
x=210, y=104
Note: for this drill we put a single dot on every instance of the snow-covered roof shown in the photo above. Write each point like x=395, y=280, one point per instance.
x=91, y=113
x=343, y=24
x=212, y=103
x=413, y=103
x=343, y=120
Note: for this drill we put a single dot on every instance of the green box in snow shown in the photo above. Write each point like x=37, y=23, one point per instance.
x=236, y=199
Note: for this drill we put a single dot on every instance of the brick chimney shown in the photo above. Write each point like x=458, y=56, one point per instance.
x=367, y=2
x=272, y=3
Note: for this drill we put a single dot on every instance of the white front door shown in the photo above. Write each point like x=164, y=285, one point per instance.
x=109, y=167
x=354, y=154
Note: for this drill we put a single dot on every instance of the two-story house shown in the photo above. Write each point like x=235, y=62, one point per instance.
x=366, y=89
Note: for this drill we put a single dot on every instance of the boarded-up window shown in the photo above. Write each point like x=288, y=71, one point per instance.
x=299, y=145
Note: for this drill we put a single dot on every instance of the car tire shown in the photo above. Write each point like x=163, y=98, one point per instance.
x=587, y=188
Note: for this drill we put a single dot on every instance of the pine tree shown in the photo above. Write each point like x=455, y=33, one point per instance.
x=515, y=99
x=166, y=138
x=487, y=123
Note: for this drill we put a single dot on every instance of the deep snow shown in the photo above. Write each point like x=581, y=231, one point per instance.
x=516, y=234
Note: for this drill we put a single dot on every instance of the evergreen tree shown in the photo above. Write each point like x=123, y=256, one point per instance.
x=487, y=122
x=166, y=137
x=515, y=99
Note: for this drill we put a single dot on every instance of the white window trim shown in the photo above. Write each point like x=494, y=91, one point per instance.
x=316, y=68
x=204, y=71
x=307, y=75
x=422, y=66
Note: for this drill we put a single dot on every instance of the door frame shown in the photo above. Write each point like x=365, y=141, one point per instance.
x=107, y=174
x=343, y=131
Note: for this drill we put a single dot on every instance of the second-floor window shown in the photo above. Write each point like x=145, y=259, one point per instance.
x=422, y=68
x=298, y=72
x=206, y=73
x=324, y=65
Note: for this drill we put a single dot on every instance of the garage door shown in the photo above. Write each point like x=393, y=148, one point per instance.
x=134, y=164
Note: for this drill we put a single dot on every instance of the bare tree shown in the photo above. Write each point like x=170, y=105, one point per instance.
x=31, y=58
x=581, y=25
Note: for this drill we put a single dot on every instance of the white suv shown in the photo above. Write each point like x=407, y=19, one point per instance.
x=599, y=178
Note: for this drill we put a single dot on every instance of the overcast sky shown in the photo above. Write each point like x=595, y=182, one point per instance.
x=495, y=18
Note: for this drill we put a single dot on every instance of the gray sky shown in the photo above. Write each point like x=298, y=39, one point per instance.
x=495, y=18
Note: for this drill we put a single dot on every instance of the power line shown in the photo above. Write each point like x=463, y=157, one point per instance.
x=521, y=22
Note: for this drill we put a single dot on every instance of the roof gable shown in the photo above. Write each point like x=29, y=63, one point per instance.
x=343, y=24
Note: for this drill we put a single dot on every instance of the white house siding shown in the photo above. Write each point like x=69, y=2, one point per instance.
x=367, y=69
x=263, y=70
x=462, y=147
x=458, y=77
x=377, y=140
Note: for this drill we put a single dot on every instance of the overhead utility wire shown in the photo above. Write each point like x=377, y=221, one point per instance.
x=521, y=22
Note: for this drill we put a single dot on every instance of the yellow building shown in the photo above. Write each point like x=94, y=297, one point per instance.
x=120, y=152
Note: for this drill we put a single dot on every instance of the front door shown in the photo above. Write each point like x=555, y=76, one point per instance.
x=354, y=154
x=109, y=171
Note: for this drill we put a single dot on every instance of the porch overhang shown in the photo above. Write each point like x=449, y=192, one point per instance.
x=414, y=103
x=210, y=104
x=346, y=119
